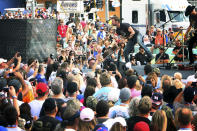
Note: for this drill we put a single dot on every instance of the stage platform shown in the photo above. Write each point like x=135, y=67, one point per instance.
x=174, y=68
x=170, y=72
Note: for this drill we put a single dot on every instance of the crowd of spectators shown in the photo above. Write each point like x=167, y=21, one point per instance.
x=27, y=14
x=85, y=87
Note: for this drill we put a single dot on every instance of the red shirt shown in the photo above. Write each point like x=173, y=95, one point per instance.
x=62, y=30
x=83, y=24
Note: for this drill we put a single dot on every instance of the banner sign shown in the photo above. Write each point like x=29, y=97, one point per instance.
x=70, y=6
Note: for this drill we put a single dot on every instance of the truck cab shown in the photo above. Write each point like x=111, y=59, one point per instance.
x=161, y=13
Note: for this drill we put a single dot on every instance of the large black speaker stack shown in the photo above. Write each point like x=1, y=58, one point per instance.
x=31, y=37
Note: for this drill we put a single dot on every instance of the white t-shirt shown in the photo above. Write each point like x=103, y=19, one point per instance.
x=191, y=78
x=19, y=102
x=36, y=106
x=129, y=65
x=114, y=82
x=52, y=76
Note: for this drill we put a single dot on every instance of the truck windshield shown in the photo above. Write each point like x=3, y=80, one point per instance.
x=177, y=16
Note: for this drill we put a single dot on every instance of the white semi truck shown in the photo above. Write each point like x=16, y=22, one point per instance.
x=143, y=13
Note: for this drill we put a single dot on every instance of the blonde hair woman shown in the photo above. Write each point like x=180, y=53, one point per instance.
x=166, y=81
x=159, y=121
x=178, y=84
x=152, y=77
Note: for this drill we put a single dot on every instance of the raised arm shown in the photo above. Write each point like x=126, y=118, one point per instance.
x=25, y=88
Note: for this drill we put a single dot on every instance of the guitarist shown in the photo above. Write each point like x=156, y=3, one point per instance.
x=190, y=11
x=133, y=36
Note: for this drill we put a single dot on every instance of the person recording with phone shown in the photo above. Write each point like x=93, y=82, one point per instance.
x=115, y=74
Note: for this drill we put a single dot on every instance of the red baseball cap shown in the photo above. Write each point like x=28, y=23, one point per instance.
x=141, y=126
x=41, y=88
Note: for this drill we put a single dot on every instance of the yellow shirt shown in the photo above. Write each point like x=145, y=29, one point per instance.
x=110, y=22
x=180, y=36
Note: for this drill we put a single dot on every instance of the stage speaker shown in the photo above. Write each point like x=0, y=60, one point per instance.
x=32, y=38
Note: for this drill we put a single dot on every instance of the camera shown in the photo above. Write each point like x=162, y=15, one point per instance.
x=11, y=74
x=5, y=89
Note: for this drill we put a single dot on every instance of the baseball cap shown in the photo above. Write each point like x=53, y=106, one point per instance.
x=41, y=88
x=87, y=114
x=72, y=87
x=141, y=126
x=102, y=28
x=2, y=60
x=157, y=98
x=72, y=110
x=91, y=102
x=121, y=120
x=156, y=70
x=125, y=94
x=110, y=122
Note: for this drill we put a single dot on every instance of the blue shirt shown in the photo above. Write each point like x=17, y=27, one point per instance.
x=41, y=78
x=103, y=93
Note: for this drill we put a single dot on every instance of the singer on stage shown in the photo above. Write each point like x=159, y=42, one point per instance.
x=132, y=35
